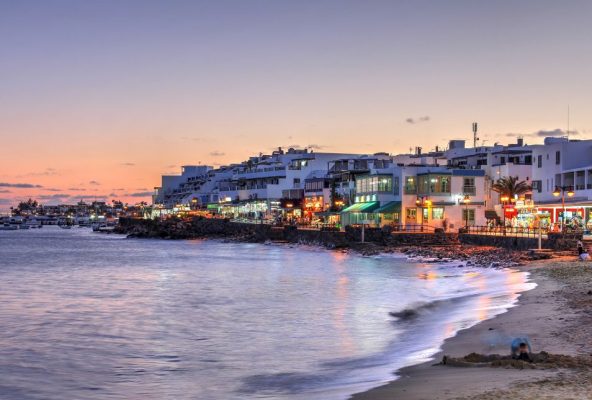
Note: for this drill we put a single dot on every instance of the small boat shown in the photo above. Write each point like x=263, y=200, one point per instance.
x=8, y=227
x=32, y=223
x=65, y=226
x=24, y=226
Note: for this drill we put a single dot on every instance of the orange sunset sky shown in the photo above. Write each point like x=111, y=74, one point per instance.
x=98, y=99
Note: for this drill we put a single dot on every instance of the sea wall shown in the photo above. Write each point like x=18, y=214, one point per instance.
x=222, y=228
x=554, y=241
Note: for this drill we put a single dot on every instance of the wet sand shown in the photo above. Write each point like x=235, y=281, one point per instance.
x=556, y=316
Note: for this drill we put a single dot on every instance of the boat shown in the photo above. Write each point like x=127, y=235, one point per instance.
x=65, y=226
x=32, y=223
x=24, y=226
x=8, y=227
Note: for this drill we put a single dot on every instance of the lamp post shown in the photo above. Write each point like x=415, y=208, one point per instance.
x=561, y=191
x=466, y=200
x=504, y=199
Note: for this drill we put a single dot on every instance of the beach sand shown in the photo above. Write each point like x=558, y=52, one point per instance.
x=556, y=316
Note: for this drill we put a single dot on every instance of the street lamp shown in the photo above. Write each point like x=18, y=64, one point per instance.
x=561, y=191
x=466, y=200
x=504, y=199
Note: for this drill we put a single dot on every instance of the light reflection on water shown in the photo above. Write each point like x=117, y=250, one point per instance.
x=93, y=316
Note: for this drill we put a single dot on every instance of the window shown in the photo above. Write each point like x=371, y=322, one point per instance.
x=373, y=184
x=540, y=161
x=468, y=216
x=433, y=184
x=396, y=185
x=528, y=160
x=502, y=160
x=438, y=213
x=411, y=213
x=557, y=157
x=469, y=186
x=410, y=185
x=385, y=184
x=537, y=185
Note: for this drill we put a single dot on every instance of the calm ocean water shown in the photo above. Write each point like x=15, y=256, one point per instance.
x=91, y=316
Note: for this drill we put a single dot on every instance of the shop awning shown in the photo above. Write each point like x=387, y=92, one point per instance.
x=389, y=208
x=367, y=207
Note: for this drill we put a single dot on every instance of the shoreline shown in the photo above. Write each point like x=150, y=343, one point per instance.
x=550, y=315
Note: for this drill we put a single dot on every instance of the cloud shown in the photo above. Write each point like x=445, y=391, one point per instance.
x=170, y=166
x=417, y=120
x=128, y=164
x=94, y=183
x=56, y=196
x=554, y=132
x=46, y=172
x=20, y=185
x=193, y=138
x=217, y=153
x=316, y=146
x=5, y=191
x=120, y=189
x=6, y=201
x=53, y=190
x=77, y=189
x=139, y=194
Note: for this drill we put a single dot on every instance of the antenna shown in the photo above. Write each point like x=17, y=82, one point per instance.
x=475, y=138
x=568, y=122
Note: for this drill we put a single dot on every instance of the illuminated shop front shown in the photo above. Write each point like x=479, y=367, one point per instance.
x=312, y=205
x=248, y=210
x=526, y=214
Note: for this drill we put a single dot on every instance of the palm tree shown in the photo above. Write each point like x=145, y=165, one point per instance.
x=511, y=187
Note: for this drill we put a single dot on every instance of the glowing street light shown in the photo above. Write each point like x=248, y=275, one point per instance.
x=562, y=191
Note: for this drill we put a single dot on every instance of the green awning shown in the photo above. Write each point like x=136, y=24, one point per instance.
x=389, y=208
x=213, y=206
x=367, y=207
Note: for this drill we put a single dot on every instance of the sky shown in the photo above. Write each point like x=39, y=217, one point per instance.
x=99, y=98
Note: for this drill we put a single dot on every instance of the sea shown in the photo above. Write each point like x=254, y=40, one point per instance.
x=86, y=315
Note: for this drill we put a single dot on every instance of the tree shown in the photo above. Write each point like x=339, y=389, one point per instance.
x=510, y=186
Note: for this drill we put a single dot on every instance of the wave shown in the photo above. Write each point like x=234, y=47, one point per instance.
x=417, y=309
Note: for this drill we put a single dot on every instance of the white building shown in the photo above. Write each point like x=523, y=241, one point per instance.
x=428, y=196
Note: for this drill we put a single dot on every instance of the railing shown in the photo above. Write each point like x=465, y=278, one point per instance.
x=254, y=171
x=506, y=231
x=413, y=228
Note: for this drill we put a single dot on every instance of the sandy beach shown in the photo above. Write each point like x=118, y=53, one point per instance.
x=556, y=316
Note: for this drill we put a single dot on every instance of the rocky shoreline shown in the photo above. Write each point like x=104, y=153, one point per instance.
x=429, y=248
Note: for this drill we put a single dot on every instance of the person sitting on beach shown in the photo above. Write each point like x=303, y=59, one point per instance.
x=521, y=349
